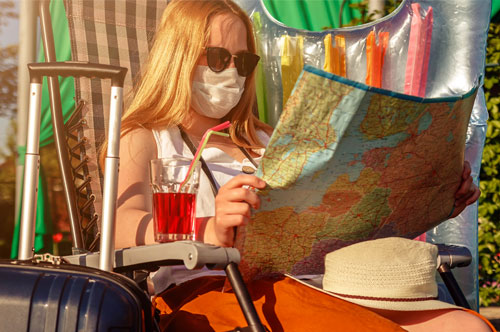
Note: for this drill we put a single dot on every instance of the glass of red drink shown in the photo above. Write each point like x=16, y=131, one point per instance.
x=174, y=202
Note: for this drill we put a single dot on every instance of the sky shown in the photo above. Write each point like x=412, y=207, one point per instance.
x=8, y=35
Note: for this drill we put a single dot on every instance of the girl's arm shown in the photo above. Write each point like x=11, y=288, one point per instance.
x=134, y=225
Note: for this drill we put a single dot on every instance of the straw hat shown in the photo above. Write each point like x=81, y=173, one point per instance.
x=391, y=273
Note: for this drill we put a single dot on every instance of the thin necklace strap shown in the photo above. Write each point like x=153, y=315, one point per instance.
x=249, y=157
x=204, y=165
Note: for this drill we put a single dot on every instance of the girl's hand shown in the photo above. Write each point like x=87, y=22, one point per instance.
x=467, y=193
x=233, y=207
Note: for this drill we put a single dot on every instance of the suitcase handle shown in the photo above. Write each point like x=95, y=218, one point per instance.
x=77, y=69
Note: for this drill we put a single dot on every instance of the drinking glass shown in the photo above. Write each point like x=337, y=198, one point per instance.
x=174, y=202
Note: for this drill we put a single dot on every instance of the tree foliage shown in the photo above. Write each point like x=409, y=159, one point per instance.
x=8, y=108
x=8, y=167
x=489, y=203
x=8, y=80
x=8, y=63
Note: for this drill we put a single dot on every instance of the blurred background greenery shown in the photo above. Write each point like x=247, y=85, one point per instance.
x=489, y=203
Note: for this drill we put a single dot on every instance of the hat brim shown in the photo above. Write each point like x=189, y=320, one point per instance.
x=399, y=305
x=396, y=305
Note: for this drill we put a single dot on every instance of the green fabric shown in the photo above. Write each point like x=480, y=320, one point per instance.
x=43, y=228
x=313, y=15
x=495, y=7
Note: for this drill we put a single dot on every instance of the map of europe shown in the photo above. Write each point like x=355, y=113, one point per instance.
x=348, y=163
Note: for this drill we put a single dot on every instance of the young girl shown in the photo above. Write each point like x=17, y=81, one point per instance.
x=201, y=73
x=181, y=91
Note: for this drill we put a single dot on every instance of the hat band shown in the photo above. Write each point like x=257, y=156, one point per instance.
x=386, y=299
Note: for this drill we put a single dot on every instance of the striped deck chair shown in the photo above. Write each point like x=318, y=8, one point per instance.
x=108, y=32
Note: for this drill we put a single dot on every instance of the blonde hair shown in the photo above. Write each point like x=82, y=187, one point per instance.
x=163, y=95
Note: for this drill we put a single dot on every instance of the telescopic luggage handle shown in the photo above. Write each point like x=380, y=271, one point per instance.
x=77, y=69
x=74, y=69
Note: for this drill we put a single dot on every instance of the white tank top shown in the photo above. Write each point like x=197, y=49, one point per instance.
x=223, y=167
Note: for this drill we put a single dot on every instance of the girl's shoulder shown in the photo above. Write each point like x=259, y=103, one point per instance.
x=138, y=136
x=137, y=145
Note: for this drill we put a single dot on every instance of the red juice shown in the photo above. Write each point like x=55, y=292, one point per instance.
x=173, y=215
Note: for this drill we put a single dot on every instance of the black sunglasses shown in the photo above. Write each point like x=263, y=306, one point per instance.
x=218, y=59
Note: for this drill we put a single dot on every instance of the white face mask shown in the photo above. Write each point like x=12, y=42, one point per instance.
x=215, y=94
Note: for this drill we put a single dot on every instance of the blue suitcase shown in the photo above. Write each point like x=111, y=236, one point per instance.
x=64, y=298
